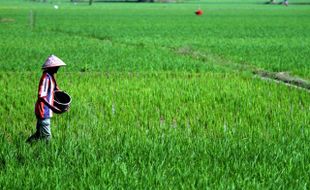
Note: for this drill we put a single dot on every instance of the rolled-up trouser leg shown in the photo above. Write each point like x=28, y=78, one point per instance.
x=44, y=129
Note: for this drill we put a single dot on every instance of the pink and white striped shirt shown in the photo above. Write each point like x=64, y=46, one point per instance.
x=47, y=86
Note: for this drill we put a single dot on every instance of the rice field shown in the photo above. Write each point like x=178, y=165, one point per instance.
x=162, y=99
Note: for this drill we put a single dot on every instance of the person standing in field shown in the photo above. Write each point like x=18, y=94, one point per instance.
x=44, y=106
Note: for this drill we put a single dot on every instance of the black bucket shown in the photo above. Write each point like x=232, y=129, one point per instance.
x=62, y=100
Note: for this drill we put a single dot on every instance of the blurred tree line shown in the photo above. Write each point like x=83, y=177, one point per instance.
x=91, y=1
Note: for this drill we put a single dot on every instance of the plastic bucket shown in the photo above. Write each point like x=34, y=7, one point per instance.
x=62, y=100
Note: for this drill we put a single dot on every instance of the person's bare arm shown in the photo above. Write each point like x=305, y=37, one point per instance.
x=53, y=108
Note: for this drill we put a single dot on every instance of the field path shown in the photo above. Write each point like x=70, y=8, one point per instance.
x=279, y=77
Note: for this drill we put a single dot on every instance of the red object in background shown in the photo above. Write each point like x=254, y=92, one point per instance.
x=198, y=12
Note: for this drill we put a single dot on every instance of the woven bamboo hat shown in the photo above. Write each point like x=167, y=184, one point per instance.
x=53, y=61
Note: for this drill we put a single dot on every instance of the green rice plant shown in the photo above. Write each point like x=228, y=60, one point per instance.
x=158, y=129
x=161, y=98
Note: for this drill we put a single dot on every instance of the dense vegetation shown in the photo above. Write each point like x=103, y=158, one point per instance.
x=161, y=98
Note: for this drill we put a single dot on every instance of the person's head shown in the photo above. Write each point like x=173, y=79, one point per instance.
x=52, y=64
x=51, y=70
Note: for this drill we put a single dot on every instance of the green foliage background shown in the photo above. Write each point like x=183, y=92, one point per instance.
x=161, y=98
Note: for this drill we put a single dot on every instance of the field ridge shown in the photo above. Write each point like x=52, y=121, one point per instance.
x=209, y=58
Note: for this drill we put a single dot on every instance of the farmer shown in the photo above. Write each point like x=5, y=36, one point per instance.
x=44, y=106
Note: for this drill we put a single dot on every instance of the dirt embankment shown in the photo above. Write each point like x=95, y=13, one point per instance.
x=285, y=78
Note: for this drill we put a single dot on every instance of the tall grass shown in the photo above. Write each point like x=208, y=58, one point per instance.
x=148, y=110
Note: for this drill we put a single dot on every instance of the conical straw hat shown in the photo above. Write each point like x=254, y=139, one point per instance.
x=53, y=61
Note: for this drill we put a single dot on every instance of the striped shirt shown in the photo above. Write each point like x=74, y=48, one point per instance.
x=47, y=86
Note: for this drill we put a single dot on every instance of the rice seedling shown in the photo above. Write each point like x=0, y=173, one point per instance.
x=161, y=98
